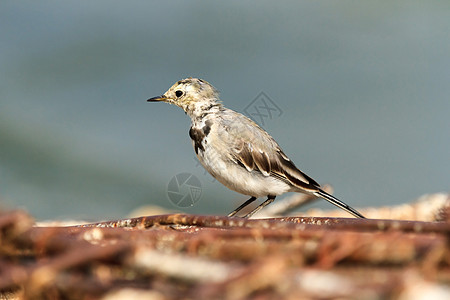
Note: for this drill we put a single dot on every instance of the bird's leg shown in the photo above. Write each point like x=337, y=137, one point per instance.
x=231, y=214
x=269, y=200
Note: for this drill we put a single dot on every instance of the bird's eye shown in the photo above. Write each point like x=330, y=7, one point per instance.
x=178, y=93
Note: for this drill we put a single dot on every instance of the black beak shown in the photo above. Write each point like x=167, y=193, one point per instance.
x=157, y=99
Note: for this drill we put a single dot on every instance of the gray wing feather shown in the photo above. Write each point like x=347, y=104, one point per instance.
x=255, y=150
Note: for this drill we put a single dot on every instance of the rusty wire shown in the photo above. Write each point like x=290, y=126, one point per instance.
x=186, y=256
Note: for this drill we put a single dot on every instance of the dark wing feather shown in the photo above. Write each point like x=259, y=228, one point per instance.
x=256, y=150
x=278, y=165
x=244, y=156
x=262, y=162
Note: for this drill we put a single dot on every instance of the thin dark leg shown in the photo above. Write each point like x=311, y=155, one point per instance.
x=262, y=205
x=242, y=206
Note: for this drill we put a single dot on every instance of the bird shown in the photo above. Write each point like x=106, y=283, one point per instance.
x=238, y=152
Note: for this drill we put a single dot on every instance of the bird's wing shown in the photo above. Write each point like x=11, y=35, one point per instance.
x=255, y=150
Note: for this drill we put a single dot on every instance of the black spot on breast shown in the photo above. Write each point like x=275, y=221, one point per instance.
x=198, y=135
x=207, y=128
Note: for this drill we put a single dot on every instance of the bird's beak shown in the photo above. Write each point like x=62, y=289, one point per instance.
x=157, y=99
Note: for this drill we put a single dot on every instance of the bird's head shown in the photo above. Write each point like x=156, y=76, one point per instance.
x=191, y=94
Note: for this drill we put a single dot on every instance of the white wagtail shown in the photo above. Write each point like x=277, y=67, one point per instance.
x=236, y=151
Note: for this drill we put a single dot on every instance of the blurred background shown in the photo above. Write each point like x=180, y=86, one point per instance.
x=361, y=94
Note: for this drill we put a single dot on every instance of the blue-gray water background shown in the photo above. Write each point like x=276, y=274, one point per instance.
x=364, y=90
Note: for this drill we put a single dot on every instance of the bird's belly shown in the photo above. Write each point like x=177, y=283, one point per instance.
x=239, y=179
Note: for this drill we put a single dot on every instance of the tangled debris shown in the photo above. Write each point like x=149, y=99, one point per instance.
x=180, y=256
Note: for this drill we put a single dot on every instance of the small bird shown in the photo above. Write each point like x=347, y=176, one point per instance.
x=236, y=151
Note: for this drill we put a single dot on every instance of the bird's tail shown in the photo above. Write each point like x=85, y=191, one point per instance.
x=338, y=203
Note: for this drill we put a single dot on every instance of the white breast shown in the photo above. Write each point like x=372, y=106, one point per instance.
x=236, y=177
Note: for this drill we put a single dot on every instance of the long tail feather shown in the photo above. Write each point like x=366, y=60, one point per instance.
x=338, y=203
